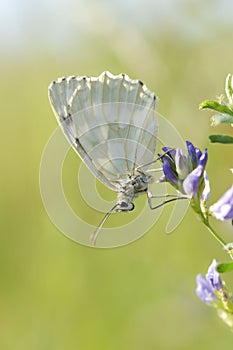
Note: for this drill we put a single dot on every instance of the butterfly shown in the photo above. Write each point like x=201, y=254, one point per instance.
x=111, y=122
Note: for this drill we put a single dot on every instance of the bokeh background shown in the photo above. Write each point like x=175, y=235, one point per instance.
x=55, y=293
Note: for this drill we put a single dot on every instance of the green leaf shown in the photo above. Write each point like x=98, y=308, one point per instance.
x=216, y=106
x=221, y=139
x=229, y=88
x=221, y=118
x=224, y=267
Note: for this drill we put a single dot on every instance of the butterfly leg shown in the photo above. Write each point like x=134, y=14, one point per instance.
x=153, y=161
x=174, y=198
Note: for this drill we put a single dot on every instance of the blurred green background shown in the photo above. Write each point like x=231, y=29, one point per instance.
x=56, y=294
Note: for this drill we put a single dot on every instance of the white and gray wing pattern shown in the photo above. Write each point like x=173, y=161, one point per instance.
x=109, y=120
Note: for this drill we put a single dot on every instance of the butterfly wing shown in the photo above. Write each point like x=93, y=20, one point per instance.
x=110, y=121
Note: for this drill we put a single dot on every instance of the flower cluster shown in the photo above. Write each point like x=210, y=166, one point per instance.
x=210, y=284
x=212, y=291
x=187, y=174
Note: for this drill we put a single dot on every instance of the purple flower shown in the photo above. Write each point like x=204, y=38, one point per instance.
x=191, y=183
x=204, y=290
x=186, y=173
x=223, y=208
x=210, y=284
x=213, y=277
x=192, y=153
x=169, y=170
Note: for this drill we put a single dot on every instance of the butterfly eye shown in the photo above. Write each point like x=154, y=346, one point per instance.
x=124, y=206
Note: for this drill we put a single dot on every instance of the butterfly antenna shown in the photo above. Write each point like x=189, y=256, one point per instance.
x=94, y=235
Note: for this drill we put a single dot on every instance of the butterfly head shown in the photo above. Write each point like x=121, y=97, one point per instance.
x=124, y=206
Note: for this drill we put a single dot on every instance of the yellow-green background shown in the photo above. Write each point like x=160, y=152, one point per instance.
x=54, y=293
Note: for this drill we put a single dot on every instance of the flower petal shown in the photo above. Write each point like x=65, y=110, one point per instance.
x=204, y=290
x=203, y=158
x=170, y=151
x=213, y=277
x=198, y=153
x=192, y=154
x=223, y=208
x=190, y=184
x=168, y=171
x=181, y=164
x=206, y=192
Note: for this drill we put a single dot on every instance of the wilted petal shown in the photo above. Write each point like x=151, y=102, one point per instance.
x=223, y=208
x=204, y=290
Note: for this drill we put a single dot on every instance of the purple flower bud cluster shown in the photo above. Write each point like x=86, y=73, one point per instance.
x=187, y=172
x=208, y=286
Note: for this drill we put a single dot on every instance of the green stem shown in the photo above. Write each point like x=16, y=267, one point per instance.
x=205, y=219
x=215, y=234
x=218, y=238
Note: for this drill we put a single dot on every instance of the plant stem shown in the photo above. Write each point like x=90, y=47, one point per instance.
x=219, y=239
x=216, y=236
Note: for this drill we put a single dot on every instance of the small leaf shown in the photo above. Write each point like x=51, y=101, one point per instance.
x=229, y=88
x=221, y=118
x=221, y=139
x=224, y=267
x=216, y=106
